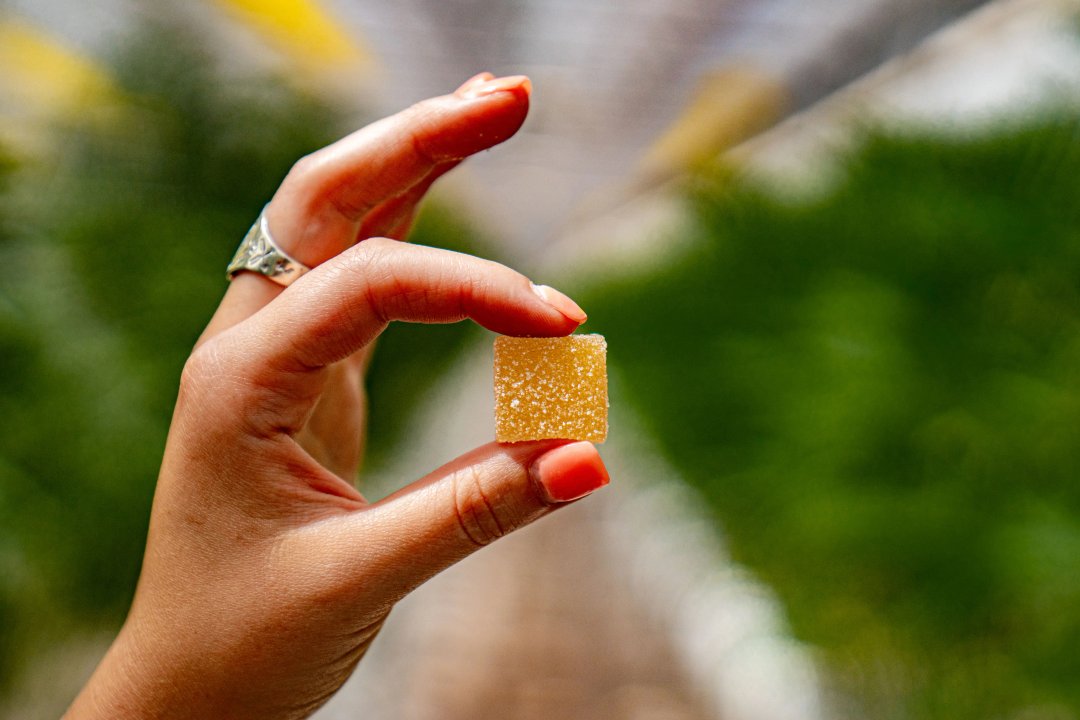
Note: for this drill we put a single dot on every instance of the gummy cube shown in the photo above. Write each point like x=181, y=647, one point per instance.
x=551, y=388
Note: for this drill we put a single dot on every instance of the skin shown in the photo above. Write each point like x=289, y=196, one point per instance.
x=267, y=574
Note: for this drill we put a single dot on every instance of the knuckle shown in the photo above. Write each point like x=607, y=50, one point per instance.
x=199, y=371
x=211, y=379
x=420, y=147
x=308, y=183
x=206, y=384
x=304, y=168
x=367, y=265
x=370, y=256
x=386, y=290
x=420, y=119
x=481, y=520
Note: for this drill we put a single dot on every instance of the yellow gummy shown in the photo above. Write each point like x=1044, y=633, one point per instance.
x=551, y=388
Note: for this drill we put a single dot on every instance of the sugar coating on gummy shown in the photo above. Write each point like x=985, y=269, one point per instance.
x=551, y=388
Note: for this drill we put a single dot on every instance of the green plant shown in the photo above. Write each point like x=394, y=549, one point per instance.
x=877, y=390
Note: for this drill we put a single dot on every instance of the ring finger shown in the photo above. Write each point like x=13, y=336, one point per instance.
x=370, y=182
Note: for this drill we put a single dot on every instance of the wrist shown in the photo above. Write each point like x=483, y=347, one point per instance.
x=119, y=687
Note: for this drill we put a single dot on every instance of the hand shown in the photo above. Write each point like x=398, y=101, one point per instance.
x=267, y=574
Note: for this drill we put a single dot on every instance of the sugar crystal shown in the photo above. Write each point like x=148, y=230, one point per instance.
x=551, y=388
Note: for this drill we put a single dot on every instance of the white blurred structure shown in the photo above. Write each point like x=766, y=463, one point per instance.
x=610, y=75
x=1012, y=58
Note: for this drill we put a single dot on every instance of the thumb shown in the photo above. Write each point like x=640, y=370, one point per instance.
x=395, y=545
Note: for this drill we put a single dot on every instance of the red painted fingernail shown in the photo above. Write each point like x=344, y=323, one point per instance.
x=570, y=309
x=490, y=87
x=570, y=472
x=473, y=81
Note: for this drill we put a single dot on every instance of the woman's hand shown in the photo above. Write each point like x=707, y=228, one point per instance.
x=369, y=185
x=267, y=574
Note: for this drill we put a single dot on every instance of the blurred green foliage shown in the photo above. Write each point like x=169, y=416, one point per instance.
x=878, y=392
x=118, y=244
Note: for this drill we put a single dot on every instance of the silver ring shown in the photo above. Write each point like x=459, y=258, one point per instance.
x=259, y=253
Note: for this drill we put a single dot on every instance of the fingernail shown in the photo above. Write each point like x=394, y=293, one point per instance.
x=490, y=87
x=570, y=309
x=569, y=472
x=472, y=82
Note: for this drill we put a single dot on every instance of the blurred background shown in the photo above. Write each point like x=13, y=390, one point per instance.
x=834, y=246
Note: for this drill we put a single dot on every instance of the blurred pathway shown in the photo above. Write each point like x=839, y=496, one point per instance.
x=540, y=629
x=539, y=626
x=620, y=607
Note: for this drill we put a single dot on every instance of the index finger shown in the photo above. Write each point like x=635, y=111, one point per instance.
x=334, y=311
